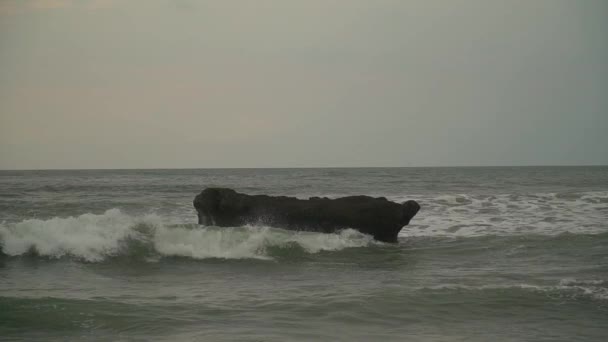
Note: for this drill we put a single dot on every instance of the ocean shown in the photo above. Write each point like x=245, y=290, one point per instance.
x=494, y=254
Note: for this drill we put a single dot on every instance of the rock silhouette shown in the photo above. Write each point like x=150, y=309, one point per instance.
x=376, y=216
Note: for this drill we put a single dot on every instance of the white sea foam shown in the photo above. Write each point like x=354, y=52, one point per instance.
x=578, y=282
x=95, y=237
x=248, y=242
x=91, y=237
x=464, y=215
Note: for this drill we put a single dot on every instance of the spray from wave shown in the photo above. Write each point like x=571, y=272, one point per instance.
x=94, y=238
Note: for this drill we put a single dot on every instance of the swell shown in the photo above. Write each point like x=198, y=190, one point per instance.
x=51, y=318
x=566, y=289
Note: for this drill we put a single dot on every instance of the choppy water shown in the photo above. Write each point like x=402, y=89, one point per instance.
x=495, y=254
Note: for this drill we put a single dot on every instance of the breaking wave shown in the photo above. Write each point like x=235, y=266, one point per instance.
x=94, y=238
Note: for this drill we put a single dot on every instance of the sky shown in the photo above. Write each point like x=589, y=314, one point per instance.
x=315, y=83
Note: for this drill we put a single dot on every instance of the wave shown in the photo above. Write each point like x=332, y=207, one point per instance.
x=466, y=215
x=94, y=238
x=595, y=289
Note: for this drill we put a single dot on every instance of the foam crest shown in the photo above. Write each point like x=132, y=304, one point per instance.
x=90, y=237
x=94, y=238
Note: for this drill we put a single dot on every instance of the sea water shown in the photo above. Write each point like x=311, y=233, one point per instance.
x=494, y=254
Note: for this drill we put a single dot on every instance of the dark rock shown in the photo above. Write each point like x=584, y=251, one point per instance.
x=378, y=217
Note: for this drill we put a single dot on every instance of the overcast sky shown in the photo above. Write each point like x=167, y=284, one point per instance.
x=170, y=84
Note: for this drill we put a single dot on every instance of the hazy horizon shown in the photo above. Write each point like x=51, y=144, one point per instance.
x=114, y=84
x=319, y=167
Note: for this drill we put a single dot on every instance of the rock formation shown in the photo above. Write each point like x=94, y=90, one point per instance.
x=378, y=217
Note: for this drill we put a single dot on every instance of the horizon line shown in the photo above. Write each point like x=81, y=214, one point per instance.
x=303, y=167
